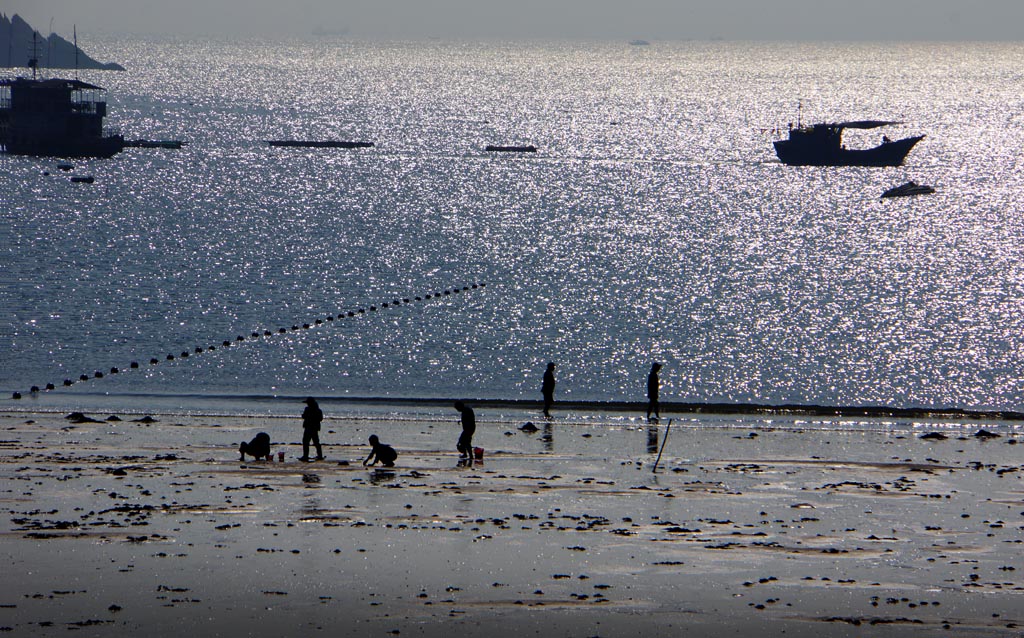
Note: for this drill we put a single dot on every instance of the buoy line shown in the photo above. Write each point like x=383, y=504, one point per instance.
x=256, y=334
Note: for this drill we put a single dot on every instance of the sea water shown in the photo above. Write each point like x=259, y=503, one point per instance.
x=654, y=223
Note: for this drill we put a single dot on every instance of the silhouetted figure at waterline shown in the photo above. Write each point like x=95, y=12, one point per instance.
x=258, y=447
x=311, y=418
x=653, y=388
x=380, y=452
x=548, y=389
x=465, y=443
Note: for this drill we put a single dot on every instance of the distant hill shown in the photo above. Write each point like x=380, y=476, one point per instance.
x=53, y=53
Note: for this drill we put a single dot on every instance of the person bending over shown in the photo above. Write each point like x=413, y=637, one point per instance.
x=258, y=448
x=465, y=444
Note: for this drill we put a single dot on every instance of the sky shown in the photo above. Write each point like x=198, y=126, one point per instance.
x=559, y=19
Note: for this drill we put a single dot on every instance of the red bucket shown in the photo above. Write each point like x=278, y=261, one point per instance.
x=478, y=453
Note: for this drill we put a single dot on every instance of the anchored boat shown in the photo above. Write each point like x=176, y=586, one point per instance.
x=55, y=117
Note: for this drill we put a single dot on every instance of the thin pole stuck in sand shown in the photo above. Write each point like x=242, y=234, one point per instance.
x=663, y=442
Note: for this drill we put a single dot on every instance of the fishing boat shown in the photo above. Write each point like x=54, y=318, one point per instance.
x=822, y=145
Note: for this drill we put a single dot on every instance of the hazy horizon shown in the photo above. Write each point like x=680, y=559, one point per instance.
x=569, y=19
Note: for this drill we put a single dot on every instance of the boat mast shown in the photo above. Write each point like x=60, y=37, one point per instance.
x=33, y=62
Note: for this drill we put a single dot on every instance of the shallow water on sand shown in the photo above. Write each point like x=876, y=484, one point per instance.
x=654, y=223
x=117, y=526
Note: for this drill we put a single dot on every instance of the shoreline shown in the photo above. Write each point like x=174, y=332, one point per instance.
x=669, y=409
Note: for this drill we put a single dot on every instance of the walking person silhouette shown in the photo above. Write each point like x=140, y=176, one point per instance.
x=311, y=418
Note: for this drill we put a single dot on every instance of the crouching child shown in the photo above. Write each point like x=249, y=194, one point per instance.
x=380, y=452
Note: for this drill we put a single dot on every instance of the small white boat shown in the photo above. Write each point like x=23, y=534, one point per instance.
x=908, y=189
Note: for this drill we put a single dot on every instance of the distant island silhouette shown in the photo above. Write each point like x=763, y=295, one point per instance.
x=53, y=53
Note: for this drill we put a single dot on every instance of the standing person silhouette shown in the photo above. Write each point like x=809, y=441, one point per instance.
x=311, y=418
x=465, y=444
x=548, y=389
x=653, y=387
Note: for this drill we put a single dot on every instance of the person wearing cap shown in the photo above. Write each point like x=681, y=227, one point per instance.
x=653, y=387
x=311, y=418
x=465, y=444
x=547, y=389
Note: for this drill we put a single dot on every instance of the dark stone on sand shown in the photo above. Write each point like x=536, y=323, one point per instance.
x=145, y=419
x=529, y=427
x=985, y=434
x=78, y=417
x=934, y=436
x=113, y=417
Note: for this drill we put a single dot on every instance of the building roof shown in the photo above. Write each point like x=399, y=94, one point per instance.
x=52, y=83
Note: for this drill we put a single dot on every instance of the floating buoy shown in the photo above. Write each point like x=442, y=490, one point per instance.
x=86, y=179
x=255, y=335
x=474, y=286
x=384, y=305
x=318, y=322
x=34, y=389
x=211, y=348
x=351, y=314
x=428, y=297
x=373, y=308
x=98, y=374
x=419, y=299
x=68, y=382
x=406, y=300
x=447, y=293
x=16, y=395
x=184, y=354
x=267, y=333
x=281, y=330
x=305, y=326
x=295, y=328
x=226, y=343
x=65, y=167
x=361, y=311
x=83, y=377
x=239, y=338
x=50, y=386
x=329, y=318
x=133, y=365
x=170, y=357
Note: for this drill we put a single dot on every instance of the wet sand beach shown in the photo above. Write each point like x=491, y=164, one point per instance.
x=752, y=524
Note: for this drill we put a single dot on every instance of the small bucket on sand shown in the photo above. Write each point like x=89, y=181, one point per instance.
x=280, y=456
x=478, y=453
